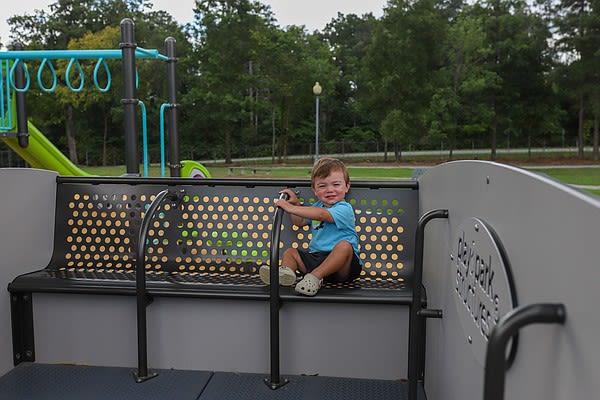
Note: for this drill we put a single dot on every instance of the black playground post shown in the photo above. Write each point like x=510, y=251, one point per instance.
x=22, y=129
x=174, y=162
x=130, y=101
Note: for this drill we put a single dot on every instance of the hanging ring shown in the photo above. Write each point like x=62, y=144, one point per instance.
x=26, y=73
x=78, y=89
x=106, y=88
x=52, y=87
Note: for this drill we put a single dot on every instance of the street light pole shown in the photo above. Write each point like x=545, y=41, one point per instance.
x=317, y=89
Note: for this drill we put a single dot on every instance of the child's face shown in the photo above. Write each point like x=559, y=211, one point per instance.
x=332, y=188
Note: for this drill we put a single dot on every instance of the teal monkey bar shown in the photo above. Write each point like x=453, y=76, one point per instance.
x=89, y=54
x=19, y=56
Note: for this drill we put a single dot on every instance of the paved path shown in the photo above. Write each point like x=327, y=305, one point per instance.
x=443, y=154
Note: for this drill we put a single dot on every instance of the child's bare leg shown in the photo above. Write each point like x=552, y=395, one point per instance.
x=337, y=262
x=291, y=259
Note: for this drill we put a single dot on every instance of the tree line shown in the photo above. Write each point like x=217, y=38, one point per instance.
x=484, y=73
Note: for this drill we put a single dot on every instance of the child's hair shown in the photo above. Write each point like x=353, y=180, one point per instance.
x=325, y=166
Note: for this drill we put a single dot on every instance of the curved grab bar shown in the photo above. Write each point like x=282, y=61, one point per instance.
x=274, y=381
x=416, y=325
x=142, y=374
x=507, y=327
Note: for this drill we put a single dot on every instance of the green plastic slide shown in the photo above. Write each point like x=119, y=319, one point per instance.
x=41, y=153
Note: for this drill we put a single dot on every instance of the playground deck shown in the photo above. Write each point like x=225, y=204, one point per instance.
x=69, y=382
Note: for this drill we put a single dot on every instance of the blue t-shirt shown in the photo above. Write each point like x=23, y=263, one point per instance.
x=325, y=235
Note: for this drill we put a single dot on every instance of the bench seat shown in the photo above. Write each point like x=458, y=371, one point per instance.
x=205, y=285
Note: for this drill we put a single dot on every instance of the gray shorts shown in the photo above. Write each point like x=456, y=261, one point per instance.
x=313, y=260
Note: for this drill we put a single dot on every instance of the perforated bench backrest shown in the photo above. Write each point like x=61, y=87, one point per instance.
x=220, y=227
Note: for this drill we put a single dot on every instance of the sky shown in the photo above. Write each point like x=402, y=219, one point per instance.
x=314, y=14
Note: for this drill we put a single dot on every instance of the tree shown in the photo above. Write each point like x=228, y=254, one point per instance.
x=292, y=62
x=224, y=52
x=349, y=37
x=519, y=58
x=394, y=129
x=401, y=63
x=93, y=98
x=456, y=111
x=578, y=27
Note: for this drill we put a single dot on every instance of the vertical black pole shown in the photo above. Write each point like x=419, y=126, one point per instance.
x=275, y=381
x=22, y=129
x=174, y=162
x=130, y=101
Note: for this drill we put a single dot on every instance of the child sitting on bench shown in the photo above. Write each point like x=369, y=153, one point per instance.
x=333, y=253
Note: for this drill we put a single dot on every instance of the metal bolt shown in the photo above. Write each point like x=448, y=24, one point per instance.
x=470, y=340
x=487, y=180
x=476, y=227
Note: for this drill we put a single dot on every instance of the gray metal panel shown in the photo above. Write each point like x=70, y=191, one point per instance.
x=364, y=341
x=550, y=233
x=27, y=198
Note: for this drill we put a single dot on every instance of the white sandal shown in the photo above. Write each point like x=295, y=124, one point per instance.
x=309, y=285
x=287, y=277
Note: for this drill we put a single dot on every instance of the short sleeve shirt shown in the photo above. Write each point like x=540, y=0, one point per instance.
x=325, y=235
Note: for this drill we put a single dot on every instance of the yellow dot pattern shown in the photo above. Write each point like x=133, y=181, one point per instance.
x=216, y=235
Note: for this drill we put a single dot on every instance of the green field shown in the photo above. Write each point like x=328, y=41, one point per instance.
x=575, y=176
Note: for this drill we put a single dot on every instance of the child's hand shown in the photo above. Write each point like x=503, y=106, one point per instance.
x=283, y=204
x=292, y=197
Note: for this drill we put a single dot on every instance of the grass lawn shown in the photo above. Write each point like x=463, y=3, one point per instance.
x=575, y=176
x=270, y=172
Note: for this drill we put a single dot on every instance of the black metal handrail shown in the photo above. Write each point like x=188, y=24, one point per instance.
x=274, y=381
x=142, y=373
x=507, y=327
x=278, y=183
x=416, y=338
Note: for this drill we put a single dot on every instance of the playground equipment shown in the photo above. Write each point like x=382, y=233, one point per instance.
x=490, y=263
x=29, y=143
x=480, y=281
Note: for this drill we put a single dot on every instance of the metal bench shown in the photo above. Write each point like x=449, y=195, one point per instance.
x=208, y=245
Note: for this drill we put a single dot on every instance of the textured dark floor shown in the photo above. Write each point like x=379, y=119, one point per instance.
x=70, y=382
x=232, y=386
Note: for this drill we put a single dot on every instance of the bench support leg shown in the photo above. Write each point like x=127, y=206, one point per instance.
x=21, y=309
